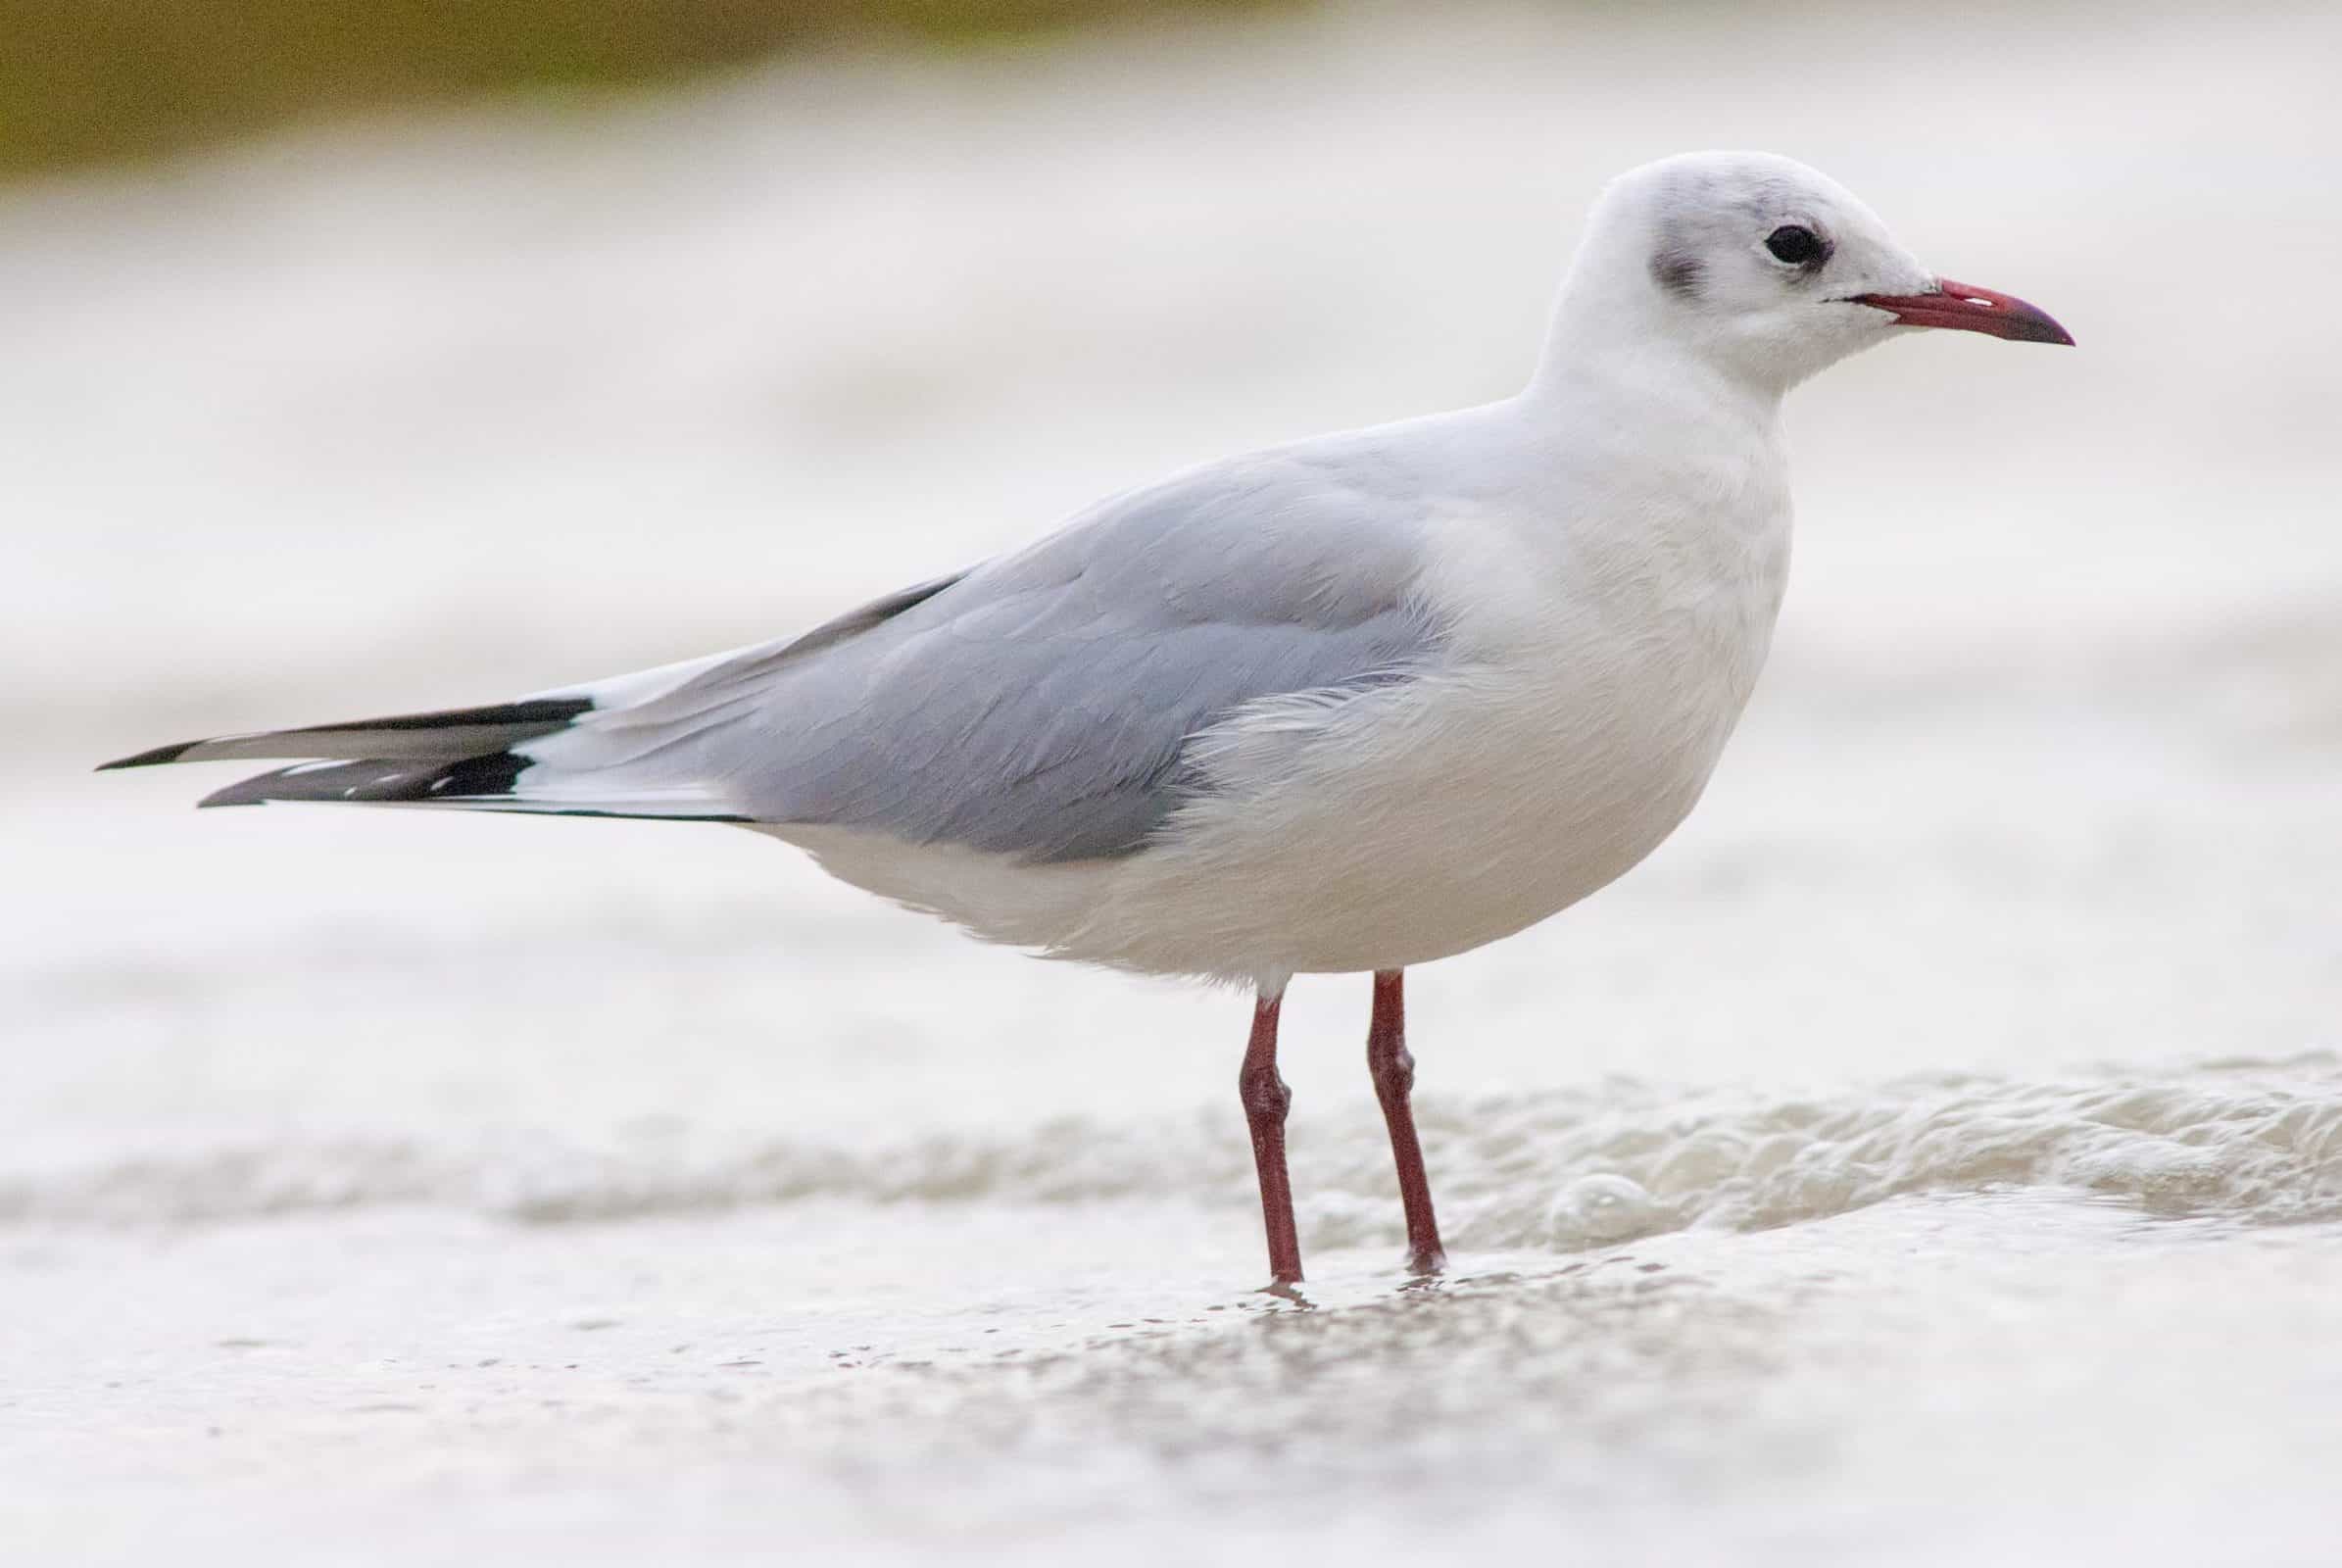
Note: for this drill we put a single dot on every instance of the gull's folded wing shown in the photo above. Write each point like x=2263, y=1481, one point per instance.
x=1039, y=705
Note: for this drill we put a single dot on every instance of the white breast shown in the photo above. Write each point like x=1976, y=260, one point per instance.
x=1572, y=733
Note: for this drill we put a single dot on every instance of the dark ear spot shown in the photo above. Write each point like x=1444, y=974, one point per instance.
x=1677, y=272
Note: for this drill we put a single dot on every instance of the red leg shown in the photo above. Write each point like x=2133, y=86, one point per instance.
x=1394, y=1071
x=1265, y=1101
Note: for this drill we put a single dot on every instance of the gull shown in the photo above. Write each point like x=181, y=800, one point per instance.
x=1343, y=705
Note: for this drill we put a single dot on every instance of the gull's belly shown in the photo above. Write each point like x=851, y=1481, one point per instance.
x=1461, y=816
x=1476, y=840
x=1434, y=819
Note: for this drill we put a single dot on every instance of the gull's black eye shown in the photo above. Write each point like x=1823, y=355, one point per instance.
x=1795, y=244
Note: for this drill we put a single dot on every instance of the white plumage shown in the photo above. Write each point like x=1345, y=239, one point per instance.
x=1349, y=704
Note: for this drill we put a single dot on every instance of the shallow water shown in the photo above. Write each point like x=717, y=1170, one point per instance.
x=1933, y=1155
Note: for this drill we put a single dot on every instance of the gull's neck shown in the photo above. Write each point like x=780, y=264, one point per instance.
x=1609, y=355
x=1669, y=440
x=1661, y=432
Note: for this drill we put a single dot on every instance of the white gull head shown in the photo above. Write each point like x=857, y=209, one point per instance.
x=1759, y=267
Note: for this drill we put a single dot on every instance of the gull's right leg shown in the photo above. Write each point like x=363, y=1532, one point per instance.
x=1265, y=1101
x=1392, y=1068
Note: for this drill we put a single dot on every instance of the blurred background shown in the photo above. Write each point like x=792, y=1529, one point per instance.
x=1975, y=1042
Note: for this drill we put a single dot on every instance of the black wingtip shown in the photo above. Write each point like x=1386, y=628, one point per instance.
x=469, y=781
x=160, y=754
x=243, y=792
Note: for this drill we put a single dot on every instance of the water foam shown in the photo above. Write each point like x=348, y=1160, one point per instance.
x=2259, y=1142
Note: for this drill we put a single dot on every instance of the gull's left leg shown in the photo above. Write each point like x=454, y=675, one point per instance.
x=1394, y=1071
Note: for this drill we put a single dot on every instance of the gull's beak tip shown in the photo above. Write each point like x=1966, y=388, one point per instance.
x=1966, y=308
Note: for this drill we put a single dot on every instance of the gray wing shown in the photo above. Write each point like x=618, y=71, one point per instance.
x=1041, y=705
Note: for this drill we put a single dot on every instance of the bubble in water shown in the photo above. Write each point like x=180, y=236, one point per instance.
x=1595, y=1209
